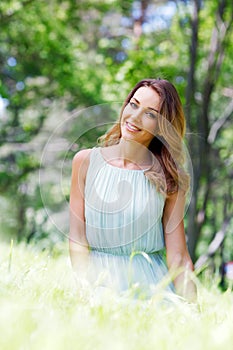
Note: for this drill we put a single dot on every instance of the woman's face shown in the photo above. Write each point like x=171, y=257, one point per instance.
x=139, y=118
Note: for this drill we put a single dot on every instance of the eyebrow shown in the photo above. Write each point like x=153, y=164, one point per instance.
x=153, y=109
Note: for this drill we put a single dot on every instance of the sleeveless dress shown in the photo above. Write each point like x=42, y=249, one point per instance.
x=123, y=212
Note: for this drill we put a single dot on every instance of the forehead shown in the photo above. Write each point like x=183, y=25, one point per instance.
x=147, y=97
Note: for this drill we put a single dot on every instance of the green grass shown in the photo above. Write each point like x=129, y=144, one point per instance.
x=41, y=308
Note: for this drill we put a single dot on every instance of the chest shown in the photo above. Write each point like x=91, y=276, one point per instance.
x=127, y=194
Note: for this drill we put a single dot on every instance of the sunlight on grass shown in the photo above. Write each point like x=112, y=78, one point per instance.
x=41, y=308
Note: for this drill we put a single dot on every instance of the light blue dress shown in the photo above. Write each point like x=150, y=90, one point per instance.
x=123, y=213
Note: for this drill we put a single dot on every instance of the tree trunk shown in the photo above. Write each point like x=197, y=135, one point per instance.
x=202, y=160
x=190, y=92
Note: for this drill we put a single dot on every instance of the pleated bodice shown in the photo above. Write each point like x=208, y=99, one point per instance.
x=123, y=212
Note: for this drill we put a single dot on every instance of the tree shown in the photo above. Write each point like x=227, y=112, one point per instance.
x=200, y=107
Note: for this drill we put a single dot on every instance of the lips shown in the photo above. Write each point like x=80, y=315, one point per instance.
x=132, y=127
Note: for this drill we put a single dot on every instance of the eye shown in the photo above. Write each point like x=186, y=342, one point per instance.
x=133, y=105
x=151, y=115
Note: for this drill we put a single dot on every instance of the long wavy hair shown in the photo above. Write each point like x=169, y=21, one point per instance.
x=167, y=173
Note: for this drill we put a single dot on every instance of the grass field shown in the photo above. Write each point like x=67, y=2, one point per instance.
x=41, y=308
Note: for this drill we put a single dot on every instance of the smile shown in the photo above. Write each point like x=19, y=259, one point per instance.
x=132, y=127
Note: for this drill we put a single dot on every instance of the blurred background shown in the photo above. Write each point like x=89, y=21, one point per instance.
x=60, y=57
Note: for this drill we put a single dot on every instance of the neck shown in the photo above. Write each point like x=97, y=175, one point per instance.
x=134, y=152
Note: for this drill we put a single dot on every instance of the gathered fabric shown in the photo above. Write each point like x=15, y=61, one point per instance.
x=123, y=215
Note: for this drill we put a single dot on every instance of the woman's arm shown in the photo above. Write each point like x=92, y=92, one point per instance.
x=78, y=245
x=178, y=258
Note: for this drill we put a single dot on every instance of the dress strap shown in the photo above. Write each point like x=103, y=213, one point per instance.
x=96, y=161
x=95, y=156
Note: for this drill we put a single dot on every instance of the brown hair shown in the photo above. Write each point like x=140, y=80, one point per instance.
x=168, y=172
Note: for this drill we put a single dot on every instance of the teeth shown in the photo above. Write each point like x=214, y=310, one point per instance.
x=132, y=127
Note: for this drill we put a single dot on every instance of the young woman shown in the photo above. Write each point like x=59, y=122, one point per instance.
x=127, y=198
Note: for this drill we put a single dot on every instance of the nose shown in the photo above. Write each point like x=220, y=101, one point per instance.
x=137, y=114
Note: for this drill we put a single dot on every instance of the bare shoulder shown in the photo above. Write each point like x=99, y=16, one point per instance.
x=82, y=156
x=81, y=161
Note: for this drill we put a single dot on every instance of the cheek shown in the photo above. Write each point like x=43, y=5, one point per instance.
x=122, y=120
x=151, y=126
x=125, y=111
x=124, y=115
